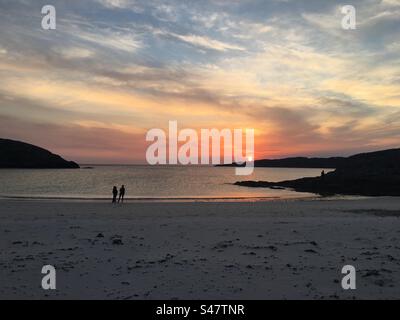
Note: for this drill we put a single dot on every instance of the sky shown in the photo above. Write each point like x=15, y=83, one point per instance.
x=114, y=69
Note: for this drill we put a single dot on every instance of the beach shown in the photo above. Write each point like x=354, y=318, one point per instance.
x=284, y=249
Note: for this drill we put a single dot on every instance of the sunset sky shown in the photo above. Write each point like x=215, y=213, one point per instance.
x=114, y=69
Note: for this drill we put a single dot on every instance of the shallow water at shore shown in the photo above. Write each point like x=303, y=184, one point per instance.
x=148, y=183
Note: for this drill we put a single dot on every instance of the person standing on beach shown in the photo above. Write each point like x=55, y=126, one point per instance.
x=121, y=194
x=115, y=193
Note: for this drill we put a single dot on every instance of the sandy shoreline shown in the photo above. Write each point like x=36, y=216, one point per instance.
x=201, y=250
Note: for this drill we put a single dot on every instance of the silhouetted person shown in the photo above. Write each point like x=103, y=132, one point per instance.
x=115, y=194
x=323, y=174
x=121, y=194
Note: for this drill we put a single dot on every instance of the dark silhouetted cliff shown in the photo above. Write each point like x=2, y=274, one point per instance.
x=368, y=174
x=16, y=154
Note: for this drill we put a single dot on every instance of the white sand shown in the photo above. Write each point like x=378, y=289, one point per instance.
x=261, y=250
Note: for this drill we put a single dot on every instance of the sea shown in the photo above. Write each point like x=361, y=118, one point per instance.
x=144, y=182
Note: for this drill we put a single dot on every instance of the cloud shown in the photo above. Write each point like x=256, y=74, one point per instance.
x=108, y=38
x=203, y=42
x=285, y=68
x=74, y=52
x=121, y=4
x=208, y=43
x=85, y=144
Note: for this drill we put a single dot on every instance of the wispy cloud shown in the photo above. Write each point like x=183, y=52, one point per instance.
x=285, y=68
x=74, y=52
x=111, y=39
x=206, y=42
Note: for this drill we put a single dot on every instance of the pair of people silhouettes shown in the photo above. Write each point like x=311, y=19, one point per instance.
x=121, y=194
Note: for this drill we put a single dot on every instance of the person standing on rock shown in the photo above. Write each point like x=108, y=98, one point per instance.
x=121, y=194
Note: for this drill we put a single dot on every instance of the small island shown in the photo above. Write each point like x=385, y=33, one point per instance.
x=295, y=162
x=367, y=174
x=21, y=155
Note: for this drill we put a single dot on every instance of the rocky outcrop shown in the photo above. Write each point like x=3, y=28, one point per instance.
x=368, y=174
x=17, y=154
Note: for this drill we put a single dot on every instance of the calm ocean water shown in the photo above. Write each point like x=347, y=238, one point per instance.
x=205, y=182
